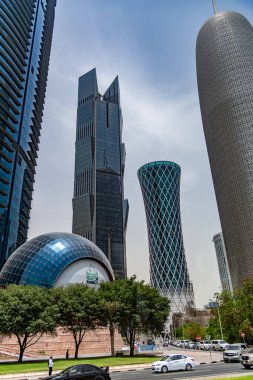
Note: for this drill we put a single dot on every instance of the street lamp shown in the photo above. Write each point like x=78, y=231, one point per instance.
x=218, y=309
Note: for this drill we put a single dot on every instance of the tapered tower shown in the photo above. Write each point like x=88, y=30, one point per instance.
x=160, y=185
x=225, y=83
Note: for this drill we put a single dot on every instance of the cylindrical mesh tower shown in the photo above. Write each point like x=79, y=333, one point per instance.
x=160, y=185
x=225, y=82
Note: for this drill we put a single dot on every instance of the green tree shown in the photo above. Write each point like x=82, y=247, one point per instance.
x=193, y=329
x=142, y=310
x=109, y=309
x=78, y=307
x=26, y=312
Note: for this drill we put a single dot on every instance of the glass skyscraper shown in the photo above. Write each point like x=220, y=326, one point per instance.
x=99, y=209
x=25, y=43
x=225, y=83
x=222, y=262
x=160, y=185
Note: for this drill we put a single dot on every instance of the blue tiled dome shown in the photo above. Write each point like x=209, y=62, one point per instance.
x=41, y=260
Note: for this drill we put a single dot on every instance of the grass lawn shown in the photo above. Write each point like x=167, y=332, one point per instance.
x=249, y=377
x=61, y=363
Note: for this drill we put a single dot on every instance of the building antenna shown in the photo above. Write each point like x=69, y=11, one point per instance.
x=214, y=7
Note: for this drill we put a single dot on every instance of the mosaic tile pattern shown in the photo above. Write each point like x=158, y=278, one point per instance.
x=225, y=82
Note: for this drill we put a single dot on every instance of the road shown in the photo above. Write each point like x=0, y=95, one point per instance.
x=217, y=369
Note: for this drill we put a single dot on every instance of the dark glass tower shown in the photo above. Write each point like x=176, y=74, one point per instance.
x=99, y=209
x=160, y=185
x=225, y=82
x=25, y=43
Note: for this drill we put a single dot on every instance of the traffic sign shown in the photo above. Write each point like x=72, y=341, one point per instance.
x=198, y=337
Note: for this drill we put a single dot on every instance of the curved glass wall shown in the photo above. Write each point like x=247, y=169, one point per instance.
x=224, y=55
x=40, y=261
x=160, y=185
x=25, y=42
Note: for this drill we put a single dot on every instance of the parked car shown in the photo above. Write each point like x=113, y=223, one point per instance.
x=196, y=346
x=173, y=362
x=183, y=343
x=82, y=372
x=189, y=344
x=205, y=345
x=219, y=345
x=233, y=352
x=247, y=359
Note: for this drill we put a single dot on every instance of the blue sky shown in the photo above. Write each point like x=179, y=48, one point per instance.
x=150, y=44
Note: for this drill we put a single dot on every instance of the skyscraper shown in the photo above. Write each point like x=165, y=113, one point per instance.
x=99, y=209
x=222, y=262
x=25, y=43
x=160, y=185
x=225, y=82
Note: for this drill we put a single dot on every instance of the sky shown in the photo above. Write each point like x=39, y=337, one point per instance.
x=150, y=45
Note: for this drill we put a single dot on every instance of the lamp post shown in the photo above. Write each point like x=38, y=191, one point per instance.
x=218, y=308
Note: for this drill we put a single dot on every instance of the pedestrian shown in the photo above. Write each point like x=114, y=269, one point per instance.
x=50, y=365
x=67, y=354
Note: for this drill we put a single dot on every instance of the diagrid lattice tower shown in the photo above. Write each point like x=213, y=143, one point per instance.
x=160, y=185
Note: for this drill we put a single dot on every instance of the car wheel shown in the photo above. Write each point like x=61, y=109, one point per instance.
x=247, y=366
x=164, y=369
x=188, y=367
x=226, y=361
x=214, y=349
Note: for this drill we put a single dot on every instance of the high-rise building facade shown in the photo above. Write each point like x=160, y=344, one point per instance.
x=222, y=262
x=225, y=83
x=99, y=209
x=160, y=185
x=25, y=43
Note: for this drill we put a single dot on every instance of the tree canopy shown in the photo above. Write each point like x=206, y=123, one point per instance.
x=26, y=312
x=139, y=308
x=78, y=313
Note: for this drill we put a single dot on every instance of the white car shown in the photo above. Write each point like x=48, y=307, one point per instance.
x=205, y=345
x=173, y=362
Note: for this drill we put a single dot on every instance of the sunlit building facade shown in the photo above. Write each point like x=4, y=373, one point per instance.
x=25, y=43
x=99, y=209
x=222, y=262
x=225, y=83
x=160, y=185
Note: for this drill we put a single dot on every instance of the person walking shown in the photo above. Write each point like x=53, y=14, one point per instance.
x=50, y=366
x=67, y=354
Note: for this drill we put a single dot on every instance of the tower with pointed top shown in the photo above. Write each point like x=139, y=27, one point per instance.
x=99, y=209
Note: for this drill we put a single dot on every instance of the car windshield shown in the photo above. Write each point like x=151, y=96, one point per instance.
x=236, y=348
x=165, y=358
x=221, y=341
x=65, y=371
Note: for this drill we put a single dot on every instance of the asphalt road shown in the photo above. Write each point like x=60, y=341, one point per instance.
x=215, y=369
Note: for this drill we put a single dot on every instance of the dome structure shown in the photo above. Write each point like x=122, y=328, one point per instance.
x=57, y=259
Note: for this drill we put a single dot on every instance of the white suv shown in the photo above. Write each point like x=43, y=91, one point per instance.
x=205, y=345
x=219, y=345
x=234, y=351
